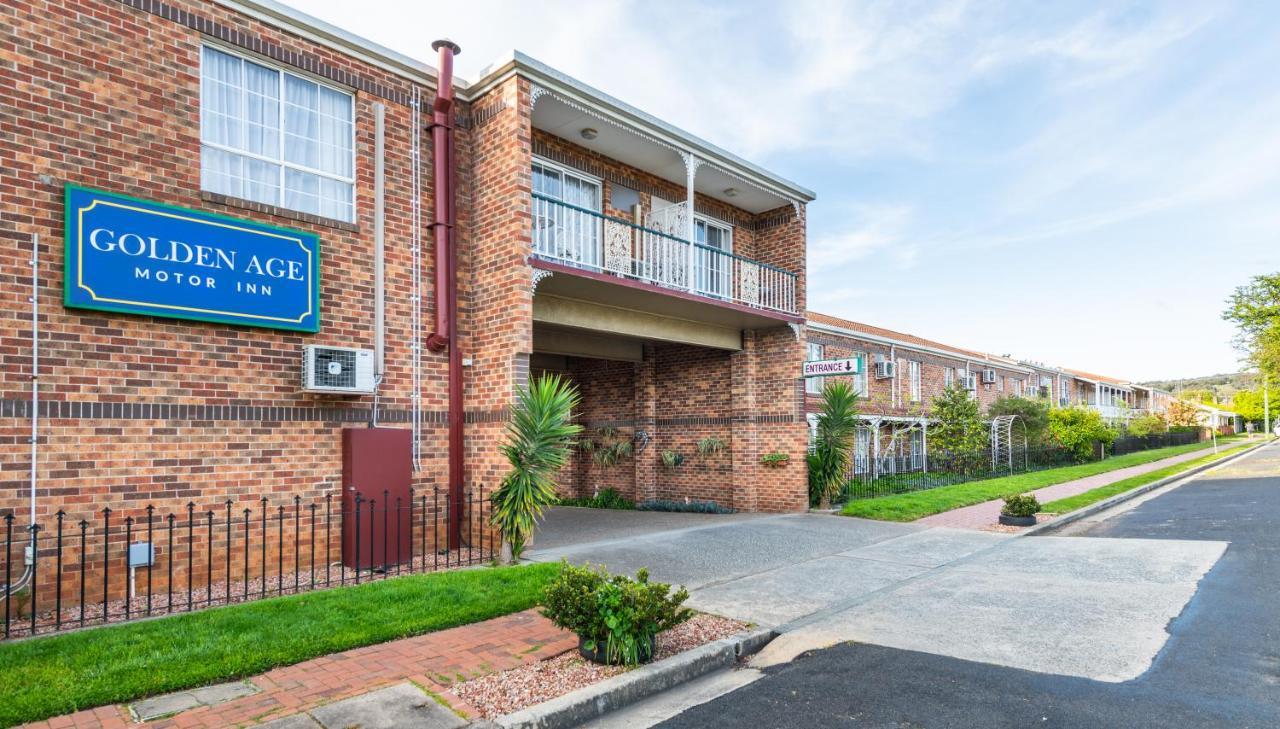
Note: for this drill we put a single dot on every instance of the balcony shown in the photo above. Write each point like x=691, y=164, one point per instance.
x=656, y=255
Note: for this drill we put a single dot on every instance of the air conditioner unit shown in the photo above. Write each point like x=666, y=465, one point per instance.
x=885, y=370
x=337, y=370
x=988, y=377
x=971, y=382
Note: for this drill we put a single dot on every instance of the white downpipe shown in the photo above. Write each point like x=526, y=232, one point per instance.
x=691, y=229
x=379, y=255
x=35, y=369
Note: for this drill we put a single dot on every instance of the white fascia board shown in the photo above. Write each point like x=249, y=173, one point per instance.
x=966, y=359
x=331, y=36
x=515, y=62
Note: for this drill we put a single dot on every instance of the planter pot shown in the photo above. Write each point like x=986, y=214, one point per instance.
x=1017, y=520
x=598, y=655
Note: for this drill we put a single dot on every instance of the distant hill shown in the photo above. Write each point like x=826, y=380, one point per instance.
x=1222, y=387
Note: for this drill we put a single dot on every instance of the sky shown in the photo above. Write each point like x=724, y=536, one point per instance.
x=1081, y=184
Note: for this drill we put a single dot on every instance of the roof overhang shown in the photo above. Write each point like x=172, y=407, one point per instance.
x=910, y=346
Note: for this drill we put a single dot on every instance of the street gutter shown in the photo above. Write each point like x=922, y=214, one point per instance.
x=1071, y=517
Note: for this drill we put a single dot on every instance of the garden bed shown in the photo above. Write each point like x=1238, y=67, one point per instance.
x=519, y=688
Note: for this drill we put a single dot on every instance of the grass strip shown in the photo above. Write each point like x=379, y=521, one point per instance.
x=50, y=676
x=919, y=504
x=1079, y=501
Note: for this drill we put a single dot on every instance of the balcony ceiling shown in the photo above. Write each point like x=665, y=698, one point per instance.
x=554, y=116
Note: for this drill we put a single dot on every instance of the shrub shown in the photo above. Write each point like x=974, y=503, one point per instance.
x=775, y=460
x=1077, y=429
x=671, y=459
x=1145, y=425
x=1020, y=505
x=711, y=446
x=539, y=436
x=694, y=507
x=614, y=611
x=606, y=499
x=1034, y=414
x=833, y=444
x=959, y=427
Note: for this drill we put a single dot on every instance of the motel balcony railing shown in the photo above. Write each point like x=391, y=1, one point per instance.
x=583, y=238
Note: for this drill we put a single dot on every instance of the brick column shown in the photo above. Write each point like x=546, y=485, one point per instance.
x=646, y=403
x=745, y=446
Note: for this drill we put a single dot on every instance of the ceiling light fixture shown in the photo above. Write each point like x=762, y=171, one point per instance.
x=589, y=133
x=731, y=192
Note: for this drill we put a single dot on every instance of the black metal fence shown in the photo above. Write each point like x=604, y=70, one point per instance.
x=117, y=566
x=901, y=475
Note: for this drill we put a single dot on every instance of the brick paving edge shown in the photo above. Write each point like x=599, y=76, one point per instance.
x=1059, y=522
x=592, y=702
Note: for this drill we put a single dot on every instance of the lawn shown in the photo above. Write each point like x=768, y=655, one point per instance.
x=1079, y=501
x=45, y=677
x=919, y=504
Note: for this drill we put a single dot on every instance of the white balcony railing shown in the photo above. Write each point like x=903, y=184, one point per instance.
x=587, y=239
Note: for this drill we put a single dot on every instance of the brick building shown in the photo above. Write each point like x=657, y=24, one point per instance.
x=662, y=274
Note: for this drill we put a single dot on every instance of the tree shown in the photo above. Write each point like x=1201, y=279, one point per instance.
x=958, y=425
x=833, y=443
x=1255, y=310
x=1077, y=429
x=539, y=437
x=1034, y=414
x=1249, y=404
x=1182, y=414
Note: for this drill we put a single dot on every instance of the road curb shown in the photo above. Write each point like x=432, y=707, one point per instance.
x=1049, y=527
x=592, y=702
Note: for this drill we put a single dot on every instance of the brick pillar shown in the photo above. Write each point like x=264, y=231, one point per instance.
x=745, y=445
x=646, y=403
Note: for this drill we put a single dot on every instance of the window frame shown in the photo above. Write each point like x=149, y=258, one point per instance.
x=281, y=163
x=813, y=385
x=564, y=169
x=708, y=221
x=915, y=377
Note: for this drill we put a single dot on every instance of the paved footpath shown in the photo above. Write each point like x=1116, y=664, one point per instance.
x=987, y=513
x=433, y=661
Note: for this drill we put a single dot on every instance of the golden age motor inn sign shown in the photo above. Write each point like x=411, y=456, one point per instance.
x=138, y=257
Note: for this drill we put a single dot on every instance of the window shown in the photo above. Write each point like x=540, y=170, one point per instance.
x=1017, y=388
x=813, y=385
x=948, y=376
x=860, y=379
x=1000, y=383
x=275, y=138
x=566, y=221
x=913, y=368
x=712, y=267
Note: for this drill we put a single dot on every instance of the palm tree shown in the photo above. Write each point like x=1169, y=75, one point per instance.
x=833, y=444
x=539, y=437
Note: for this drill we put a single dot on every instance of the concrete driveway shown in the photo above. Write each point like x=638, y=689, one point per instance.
x=1094, y=608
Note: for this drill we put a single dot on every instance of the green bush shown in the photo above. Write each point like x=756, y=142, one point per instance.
x=958, y=426
x=1034, y=414
x=1020, y=505
x=621, y=614
x=1145, y=425
x=606, y=499
x=694, y=507
x=1077, y=429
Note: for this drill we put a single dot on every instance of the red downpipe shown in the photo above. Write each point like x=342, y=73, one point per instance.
x=443, y=228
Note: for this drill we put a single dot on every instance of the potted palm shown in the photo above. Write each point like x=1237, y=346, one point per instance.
x=539, y=436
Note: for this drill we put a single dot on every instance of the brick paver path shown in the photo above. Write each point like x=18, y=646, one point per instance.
x=988, y=512
x=434, y=661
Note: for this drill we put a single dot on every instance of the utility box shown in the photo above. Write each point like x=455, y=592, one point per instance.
x=377, y=465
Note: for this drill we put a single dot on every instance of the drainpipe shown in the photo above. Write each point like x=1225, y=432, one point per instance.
x=442, y=150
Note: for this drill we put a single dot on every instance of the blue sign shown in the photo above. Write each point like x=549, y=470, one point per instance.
x=138, y=257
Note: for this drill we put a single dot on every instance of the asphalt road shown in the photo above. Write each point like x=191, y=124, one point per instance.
x=1220, y=666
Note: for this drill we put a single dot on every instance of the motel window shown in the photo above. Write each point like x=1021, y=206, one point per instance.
x=712, y=265
x=276, y=138
x=1000, y=383
x=913, y=369
x=860, y=379
x=1017, y=388
x=566, y=224
x=813, y=385
x=948, y=376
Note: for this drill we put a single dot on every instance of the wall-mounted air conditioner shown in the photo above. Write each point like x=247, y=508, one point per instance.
x=885, y=370
x=337, y=370
x=988, y=377
x=971, y=382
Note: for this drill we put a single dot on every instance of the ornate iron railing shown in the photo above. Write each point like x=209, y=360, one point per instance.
x=584, y=238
